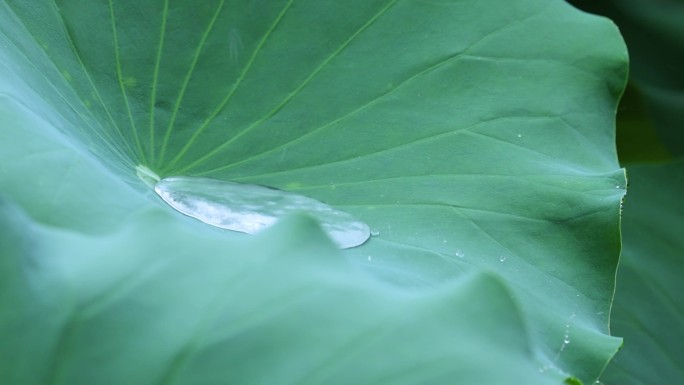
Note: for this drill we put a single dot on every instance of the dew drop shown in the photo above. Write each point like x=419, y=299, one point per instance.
x=502, y=258
x=250, y=208
x=519, y=135
x=459, y=254
x=374, y=233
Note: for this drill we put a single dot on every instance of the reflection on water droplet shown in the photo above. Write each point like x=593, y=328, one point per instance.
x=375, y=233
x=519, y=135
x=502, y=258
x=370, y=258
x=250, y=208
x=459, y=254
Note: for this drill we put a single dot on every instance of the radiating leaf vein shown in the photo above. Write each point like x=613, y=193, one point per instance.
x=186, y=81
x=295, y=92
x=119, y=75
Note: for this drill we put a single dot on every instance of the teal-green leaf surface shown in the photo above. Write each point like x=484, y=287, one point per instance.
x=475, y=138
x=198, y=308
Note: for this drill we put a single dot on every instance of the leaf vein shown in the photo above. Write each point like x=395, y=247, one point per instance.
x=186, y=80
x=296, y=91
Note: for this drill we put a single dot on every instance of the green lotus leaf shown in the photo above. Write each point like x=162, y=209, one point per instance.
x=475, y=138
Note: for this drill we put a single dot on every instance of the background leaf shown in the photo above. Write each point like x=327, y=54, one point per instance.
x=470, y=137
x=654, y=33
x=648, y=310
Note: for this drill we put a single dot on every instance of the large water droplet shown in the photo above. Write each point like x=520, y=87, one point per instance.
x=250, y=208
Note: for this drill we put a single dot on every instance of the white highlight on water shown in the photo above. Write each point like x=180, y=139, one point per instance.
x=250, y=208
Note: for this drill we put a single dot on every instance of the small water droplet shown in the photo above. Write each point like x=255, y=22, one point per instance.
x=519, y=135
x=250, y=208
x=375, y=233
x=459, y=254
x=618, y=187
x=544, y=369
x=566, y=339
x=502, y=258
x=370, y=258
x=444, y=241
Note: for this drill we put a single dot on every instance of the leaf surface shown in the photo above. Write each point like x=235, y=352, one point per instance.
x=197, y=308
x=471, y=137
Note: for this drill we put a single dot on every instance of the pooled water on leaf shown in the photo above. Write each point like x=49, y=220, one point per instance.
x=250, y=208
